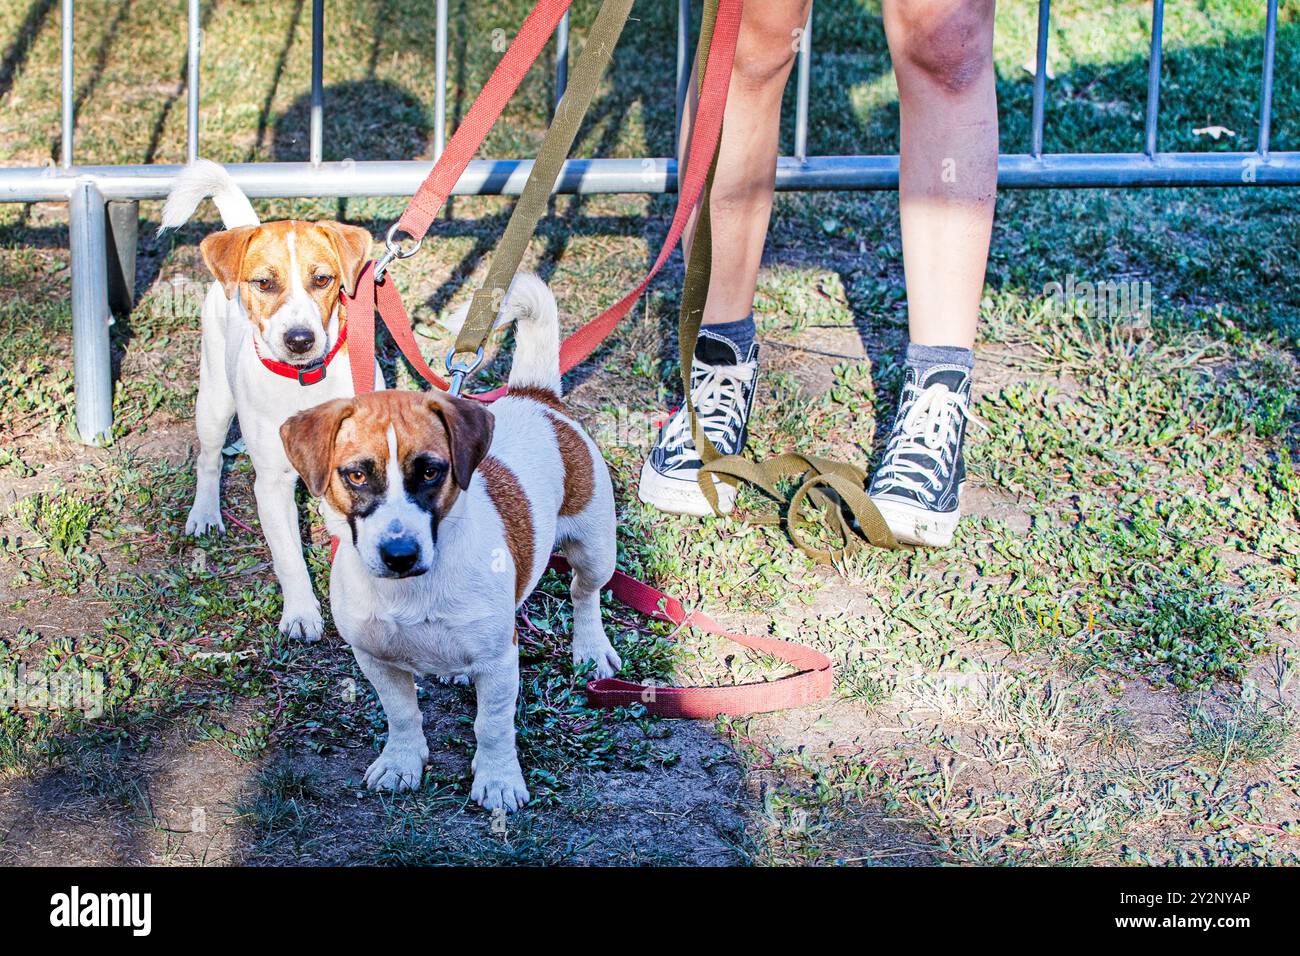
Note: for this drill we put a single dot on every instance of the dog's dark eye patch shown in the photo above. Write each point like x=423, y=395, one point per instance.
x=424, y=479
x=366, y=483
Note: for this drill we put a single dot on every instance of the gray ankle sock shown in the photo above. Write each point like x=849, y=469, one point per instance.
x=924, y=357
x=738, y=334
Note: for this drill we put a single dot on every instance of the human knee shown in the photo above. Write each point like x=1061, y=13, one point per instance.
x=949, y=42
x=768, y=43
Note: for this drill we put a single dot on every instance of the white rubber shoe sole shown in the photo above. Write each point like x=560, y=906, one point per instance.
x=919, y=526
x=681, y=497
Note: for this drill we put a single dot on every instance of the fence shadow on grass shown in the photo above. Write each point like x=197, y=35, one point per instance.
x=20, y=47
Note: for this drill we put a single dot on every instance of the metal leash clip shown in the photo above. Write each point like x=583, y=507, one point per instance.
x=395, y=251
x=458, y=370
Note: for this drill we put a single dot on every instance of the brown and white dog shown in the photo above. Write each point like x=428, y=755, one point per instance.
x=446, y=511
x=271, y=321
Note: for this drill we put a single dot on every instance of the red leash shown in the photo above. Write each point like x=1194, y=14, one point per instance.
x=813, y=679
x=501, y=85
x=433, y=192
x=437, y=186
x=812, y=682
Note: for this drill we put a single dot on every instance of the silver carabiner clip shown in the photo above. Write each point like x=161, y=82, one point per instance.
x=394, y=251
x=458, y=370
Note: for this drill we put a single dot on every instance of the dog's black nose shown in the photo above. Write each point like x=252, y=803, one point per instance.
x=400, y=554
x=299, y=340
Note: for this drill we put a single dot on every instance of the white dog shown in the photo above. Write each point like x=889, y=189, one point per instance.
x=274, y=343
x=446, y=511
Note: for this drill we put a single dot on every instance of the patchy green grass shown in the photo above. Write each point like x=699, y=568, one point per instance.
x=1246, y=733
x=1101, y=669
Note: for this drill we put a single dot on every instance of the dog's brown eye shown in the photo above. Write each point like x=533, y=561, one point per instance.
x=355, y=477
x=264, y=285
x=434, y=472
x=322, y=282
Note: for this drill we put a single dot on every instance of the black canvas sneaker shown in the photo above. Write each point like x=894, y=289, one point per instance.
x=919, y=481
x=722, y=390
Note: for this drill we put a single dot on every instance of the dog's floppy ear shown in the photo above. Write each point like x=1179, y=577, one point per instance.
x=352, y=246
x=308, y=439
x=469, y=433
x=223, y=253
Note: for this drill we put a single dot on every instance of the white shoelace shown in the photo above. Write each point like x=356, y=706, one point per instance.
x=718, y=393
x=929, y=430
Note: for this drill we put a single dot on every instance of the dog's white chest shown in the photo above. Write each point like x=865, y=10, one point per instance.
x=406, y=625
x=424, y=647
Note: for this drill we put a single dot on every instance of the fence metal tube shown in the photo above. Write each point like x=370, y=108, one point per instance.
x=440, y=81
x=1266, y=83
x=506, y=177
x=801, y=94
x=91, y=359
x=1130, y=170
x=123, y=218
x=192, y=85
x=317, y=149
x=1153, y=75
x=561, y=58
x=1040, y=79
x=683, y=67
x=65, y=81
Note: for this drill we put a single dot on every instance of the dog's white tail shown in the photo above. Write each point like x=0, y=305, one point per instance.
x=199, y=180
x=529, y=304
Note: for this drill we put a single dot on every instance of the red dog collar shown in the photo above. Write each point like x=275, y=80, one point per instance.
x=310, y=373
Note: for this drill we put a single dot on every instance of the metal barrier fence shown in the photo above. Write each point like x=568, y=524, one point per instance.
x=103, y=200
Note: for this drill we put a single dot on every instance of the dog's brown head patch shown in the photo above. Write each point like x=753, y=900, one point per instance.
x=266, y=264
x=469, y=427
x=309, y=439
x=342, y=448
x=392, y=464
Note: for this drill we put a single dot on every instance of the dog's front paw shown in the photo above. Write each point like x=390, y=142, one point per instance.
x=499, y=785
x=400, y=767
x=203, y=519
x=601, y=653
x=304, y=622
x=460, y=680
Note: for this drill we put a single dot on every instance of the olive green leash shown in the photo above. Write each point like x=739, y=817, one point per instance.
x=839, y=488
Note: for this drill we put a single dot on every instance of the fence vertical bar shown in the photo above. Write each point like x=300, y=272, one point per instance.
x=65, y=81
x=440, y=81
x=1153, y=76
x=561, y=58
x=91, y=359
x=1040, y=80
x=317, y=149
x=192, y=86
x=683, y=67
x=801, y=94
x=123, y=231
x=1266, y=81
